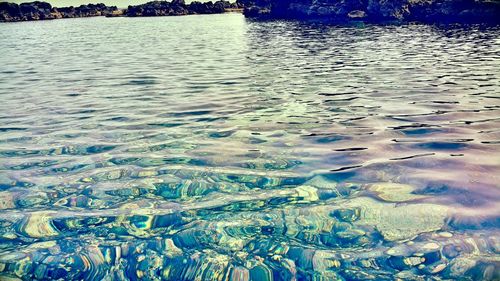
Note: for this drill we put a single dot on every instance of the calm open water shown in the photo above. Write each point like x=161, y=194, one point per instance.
x=217, y=148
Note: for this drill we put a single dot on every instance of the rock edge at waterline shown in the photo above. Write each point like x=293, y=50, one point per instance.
x=378, y=11
x=12, y=12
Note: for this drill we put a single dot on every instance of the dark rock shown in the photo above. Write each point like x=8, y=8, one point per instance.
x=157, y=8
x=36, y=10
x=9, y=11
x=89, y=10
x=26, y=11
x=257, y=12
x=430, y=11
x=178, y=8
x=43, y=11
x=456, y=11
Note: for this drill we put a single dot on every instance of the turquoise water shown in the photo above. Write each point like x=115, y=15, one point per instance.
x=218, y=148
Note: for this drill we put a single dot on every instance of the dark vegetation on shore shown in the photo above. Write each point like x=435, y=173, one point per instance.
x=379, y=11
x=427, y=11
x=44, y=11
x=179, y=7
x=37, y=10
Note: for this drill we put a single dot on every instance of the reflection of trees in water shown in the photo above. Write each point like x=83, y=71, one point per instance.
x=277, y=48
x=318, y=36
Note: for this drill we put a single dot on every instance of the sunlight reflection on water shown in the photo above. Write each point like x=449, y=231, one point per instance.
x=214, y=147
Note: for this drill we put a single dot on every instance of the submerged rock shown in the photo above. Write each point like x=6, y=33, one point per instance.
x=395, y=192
x=38, y=225
x=335, y=241
x=400, y=222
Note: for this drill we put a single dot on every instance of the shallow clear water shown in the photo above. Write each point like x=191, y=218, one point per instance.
x=214, y=148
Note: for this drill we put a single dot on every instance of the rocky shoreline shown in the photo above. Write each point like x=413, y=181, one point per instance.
x=179, y=8
x=11, y=12
x=336, y=11
x=378, y=11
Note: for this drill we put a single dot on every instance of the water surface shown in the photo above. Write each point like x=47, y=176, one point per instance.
x=218, y=148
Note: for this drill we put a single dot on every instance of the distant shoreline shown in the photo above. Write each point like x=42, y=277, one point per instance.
x=34, y=11
x=342, y=12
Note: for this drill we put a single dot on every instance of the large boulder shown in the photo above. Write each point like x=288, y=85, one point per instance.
x=9, y=12
x=36, y=10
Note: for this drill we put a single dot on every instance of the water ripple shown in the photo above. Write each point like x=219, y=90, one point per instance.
x=220, y=148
